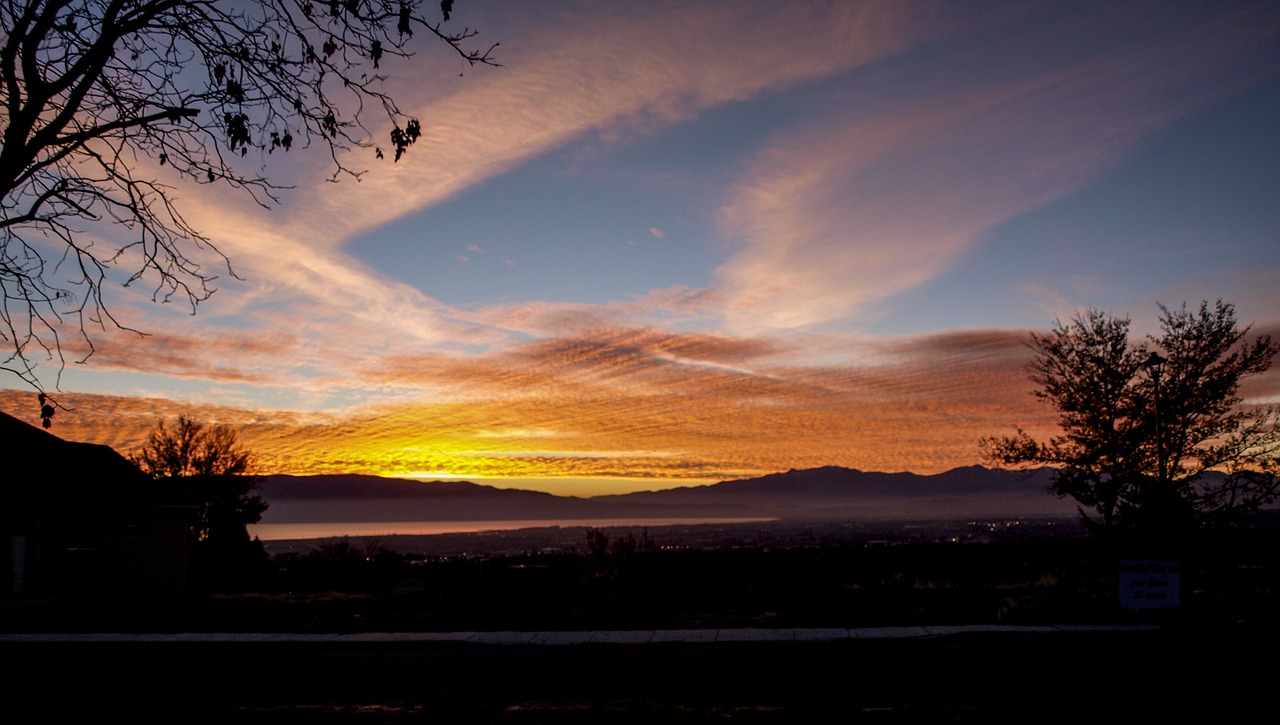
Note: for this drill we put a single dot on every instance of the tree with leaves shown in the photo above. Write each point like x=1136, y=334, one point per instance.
x=1155, y=437
x=97, y=96
x=214, y=472
x=213, y=468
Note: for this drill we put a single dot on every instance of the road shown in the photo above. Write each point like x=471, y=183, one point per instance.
x=950, y=676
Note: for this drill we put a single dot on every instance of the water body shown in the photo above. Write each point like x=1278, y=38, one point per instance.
x=281, y=532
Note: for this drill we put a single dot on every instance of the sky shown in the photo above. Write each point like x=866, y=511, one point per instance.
x=675, y=243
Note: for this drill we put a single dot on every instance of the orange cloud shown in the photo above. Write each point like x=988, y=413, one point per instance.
x=632, y=403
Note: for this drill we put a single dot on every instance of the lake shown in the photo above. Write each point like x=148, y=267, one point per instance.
x=326, y=530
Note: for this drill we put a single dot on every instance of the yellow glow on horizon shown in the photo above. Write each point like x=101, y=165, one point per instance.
x=578, y=417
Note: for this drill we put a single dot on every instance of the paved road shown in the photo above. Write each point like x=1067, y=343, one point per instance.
x=914, y=674
x=702, y=636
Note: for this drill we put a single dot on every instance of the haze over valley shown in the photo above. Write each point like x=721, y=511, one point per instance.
x=825, y=494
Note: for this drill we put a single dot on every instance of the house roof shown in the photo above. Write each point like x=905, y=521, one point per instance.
x=40, y=466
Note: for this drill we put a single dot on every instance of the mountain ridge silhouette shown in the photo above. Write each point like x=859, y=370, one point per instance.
x=828, y=492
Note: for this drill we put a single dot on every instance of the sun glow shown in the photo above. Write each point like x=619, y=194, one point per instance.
x=661, y=424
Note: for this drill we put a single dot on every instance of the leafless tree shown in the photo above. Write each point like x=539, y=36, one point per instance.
x=94, y=93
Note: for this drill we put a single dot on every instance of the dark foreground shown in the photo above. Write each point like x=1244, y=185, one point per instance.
x=1211, y=659
x=988, y=678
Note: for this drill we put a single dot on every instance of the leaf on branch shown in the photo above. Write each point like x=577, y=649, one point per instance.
x=402, y=139
x=237, y=130
x=46, y=411
x=403, y=25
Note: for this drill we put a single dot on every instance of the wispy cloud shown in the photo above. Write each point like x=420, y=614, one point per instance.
x=613, y=65
x=858, y=207
x=852, y=208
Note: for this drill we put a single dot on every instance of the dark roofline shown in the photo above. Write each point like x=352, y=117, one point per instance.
x=43, y=466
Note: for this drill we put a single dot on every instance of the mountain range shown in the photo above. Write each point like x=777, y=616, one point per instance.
x=815, y=494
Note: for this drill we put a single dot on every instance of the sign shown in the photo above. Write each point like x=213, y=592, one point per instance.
x=1150, y=584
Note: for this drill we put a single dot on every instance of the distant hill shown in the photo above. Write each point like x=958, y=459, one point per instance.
x=295, y=499
x=818, y=493
x=844, y=492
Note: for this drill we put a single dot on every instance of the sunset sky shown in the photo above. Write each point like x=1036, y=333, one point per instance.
x=670, y=243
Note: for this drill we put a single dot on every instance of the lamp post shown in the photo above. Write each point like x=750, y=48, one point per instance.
x=1155, y=364
x=1155, y=584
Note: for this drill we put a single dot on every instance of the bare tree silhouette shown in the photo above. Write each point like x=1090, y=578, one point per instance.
x=94, y=93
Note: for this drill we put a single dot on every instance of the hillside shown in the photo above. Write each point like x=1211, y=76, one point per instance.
x=823, y=492
x=820, y=493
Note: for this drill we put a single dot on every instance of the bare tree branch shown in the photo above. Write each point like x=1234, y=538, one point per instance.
x=89, y=87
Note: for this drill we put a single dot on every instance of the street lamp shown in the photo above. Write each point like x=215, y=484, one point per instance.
x=1158, y=583
x=1155, y=364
